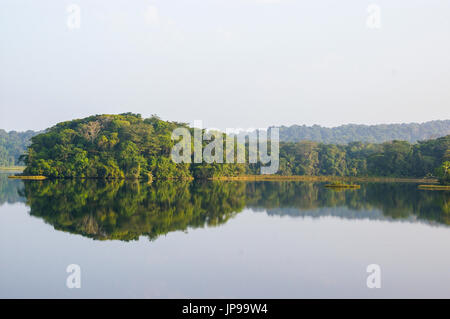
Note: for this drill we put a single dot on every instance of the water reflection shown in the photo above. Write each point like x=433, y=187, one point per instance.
x=10, y=189
x=373, y=201
x=125, y=210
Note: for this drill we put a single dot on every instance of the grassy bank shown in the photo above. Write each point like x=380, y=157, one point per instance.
x=12, y=168
x=435, y=187
x=35, y=178
x=304, y=178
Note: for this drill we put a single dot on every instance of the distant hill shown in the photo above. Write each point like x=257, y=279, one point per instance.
x=12, y=145
x=411, y=132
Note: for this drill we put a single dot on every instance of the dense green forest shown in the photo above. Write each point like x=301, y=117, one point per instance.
x=392, y=159
x=12, y=145
x=115, y=147
x=128, y=146
x=344, y=134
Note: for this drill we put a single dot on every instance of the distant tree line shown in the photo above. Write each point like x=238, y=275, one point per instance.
x=12, y=145
x=344, y=134
x=127, y=210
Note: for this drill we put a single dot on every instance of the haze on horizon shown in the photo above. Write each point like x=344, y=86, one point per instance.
x=229, y=63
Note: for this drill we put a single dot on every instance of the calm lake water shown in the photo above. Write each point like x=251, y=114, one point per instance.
x=222, y=240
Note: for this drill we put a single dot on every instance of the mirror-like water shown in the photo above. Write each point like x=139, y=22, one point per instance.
x=222, y=239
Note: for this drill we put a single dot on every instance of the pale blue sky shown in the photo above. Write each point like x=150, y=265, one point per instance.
x=229, y=63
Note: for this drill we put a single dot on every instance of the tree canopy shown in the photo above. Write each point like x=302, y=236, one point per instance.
x=391, y=159
x=115, y=147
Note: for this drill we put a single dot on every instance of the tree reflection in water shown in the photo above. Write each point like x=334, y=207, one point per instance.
x=126, y=210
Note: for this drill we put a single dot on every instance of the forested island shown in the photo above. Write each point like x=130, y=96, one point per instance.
x=129, y=146
x=115, y=147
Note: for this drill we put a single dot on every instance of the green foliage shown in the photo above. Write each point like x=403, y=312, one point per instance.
x=12, y=145
x=114, y=147
x=127, y=146
x=443, y=173
x=393, y=159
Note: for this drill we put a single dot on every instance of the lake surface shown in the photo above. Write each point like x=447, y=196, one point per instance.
x=222, y=239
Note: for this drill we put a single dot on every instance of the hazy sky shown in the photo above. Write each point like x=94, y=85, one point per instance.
x=229, y=63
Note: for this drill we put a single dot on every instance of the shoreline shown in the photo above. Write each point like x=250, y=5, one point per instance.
x=435, y=187
x=305, y=178
x=12, y=168
x=430, y=183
